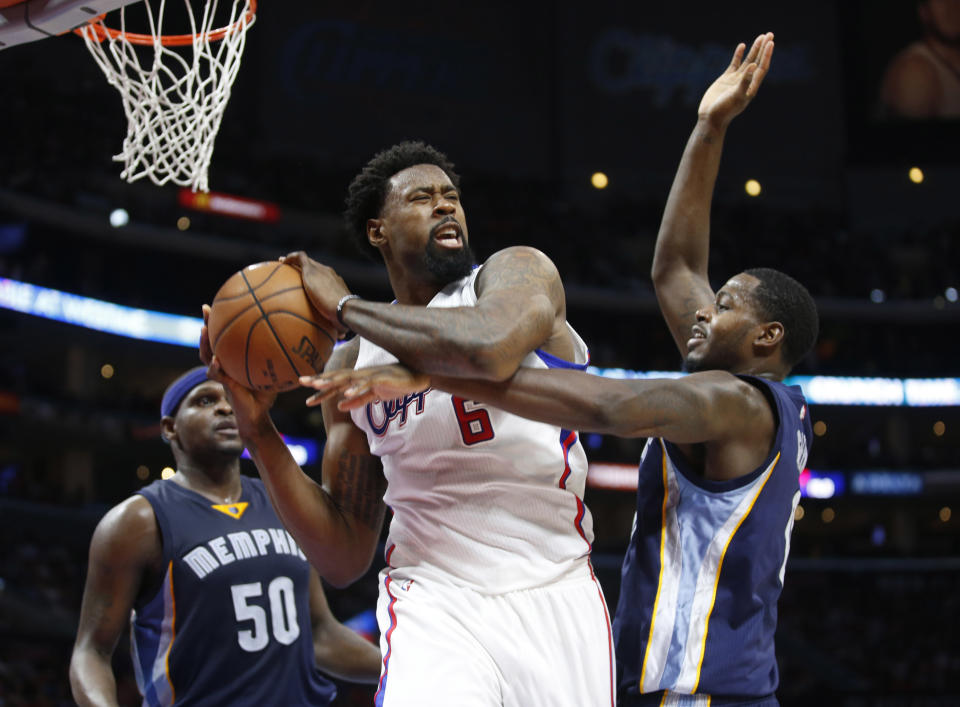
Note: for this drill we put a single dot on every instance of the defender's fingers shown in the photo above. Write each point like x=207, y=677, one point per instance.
x=755, y=47
x=761, y=71
x=318, y=398
x=737, y=57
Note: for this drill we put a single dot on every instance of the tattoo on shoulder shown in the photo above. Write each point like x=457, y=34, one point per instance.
x=359, y=487
x=526, y=269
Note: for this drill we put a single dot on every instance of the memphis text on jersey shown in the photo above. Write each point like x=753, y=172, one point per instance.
x=240, y=546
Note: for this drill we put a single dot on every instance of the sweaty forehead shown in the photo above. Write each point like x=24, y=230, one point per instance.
x=420, y=175
x=740, y=286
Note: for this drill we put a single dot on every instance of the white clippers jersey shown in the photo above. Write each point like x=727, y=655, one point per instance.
x=492, y=501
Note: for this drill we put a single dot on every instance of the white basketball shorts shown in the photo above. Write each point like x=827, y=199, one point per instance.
x=447, y=646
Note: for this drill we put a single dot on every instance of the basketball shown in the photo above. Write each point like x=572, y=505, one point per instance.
x=264, y=330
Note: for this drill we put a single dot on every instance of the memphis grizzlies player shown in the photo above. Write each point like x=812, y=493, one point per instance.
x=225, y=608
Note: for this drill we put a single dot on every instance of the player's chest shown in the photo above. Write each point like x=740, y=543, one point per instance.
x=428, y=419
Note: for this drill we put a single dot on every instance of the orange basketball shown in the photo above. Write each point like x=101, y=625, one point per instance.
x=264, y=330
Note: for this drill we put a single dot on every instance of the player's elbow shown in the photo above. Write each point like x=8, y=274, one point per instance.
x=497, y=350
x=344, y=568
x=340, y=579
x=663, y=269
x=487, y=355
x=488, y=362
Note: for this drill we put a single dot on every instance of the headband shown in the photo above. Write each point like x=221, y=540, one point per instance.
x=177, y=391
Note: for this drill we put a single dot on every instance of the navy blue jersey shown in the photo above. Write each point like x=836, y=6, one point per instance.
x=230, y=624
x=704, y=568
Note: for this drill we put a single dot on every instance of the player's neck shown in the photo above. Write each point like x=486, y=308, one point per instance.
x=761, y=370
x=218, y=482
x=410, y=290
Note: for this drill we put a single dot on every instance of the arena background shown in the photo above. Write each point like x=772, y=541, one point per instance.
x=529, y=100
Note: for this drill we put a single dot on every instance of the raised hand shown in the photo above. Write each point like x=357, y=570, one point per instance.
x=733, y=90
x=365, y=385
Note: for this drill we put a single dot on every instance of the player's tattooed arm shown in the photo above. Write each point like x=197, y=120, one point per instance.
x=339, y=545
x=357, y=488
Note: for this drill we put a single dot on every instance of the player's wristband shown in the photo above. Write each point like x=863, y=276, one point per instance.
x=343, y=301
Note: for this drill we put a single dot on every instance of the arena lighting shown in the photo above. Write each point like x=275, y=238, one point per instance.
x=822, y=484
x=886, y=483
x=119, y=217
x=833, y=390
x=303, y=449
x=843, y=390
x=97, y=314
x=229, y=205
x=615, y=477
x=180, y=330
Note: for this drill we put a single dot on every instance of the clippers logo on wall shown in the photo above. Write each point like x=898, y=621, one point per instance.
x=463, y=78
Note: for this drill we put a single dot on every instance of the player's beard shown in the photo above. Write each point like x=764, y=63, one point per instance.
x=446, y=265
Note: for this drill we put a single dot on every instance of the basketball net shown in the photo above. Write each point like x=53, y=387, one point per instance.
x=174, y=99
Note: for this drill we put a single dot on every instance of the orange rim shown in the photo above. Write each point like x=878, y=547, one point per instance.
x=102, y=32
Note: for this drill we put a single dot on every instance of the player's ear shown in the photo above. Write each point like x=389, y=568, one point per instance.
x=375, y=232
x=769, y=339
x=168, y=430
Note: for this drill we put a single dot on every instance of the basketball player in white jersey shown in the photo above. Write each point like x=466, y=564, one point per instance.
x=718, y=482
x=488, y=597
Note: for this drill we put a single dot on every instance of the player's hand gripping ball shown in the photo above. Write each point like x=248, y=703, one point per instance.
x=264, y=330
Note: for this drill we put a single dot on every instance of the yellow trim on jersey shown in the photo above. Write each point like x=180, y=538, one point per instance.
x=716, y=579
x=234, y=510
x=173, y=635
x=663, y=542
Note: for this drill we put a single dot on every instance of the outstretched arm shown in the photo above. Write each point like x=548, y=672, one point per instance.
x=337, y=524
x=679, y=270
x=520, y=306
x=125, y=545
x=339, y=650
x=701, y=407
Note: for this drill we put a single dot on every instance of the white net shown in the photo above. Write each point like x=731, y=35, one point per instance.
x=174, y=88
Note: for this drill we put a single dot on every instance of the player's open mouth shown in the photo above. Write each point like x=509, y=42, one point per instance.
x=697, y=336
x=448, y=234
